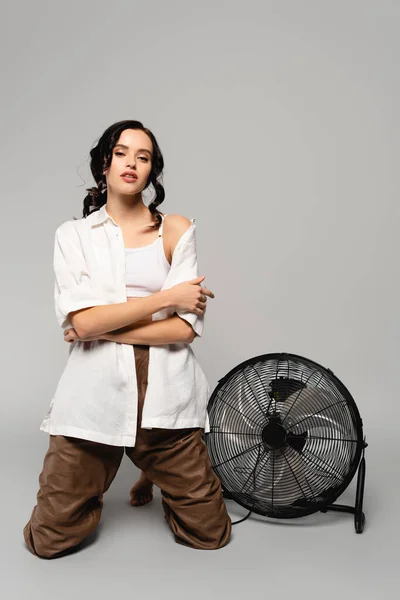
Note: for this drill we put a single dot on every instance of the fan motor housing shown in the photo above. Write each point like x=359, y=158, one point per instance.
x=274, y=434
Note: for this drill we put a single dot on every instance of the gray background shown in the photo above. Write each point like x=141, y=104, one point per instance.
x=279, y=127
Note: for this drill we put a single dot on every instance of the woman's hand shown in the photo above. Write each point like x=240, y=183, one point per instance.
x=190, y=296
x=70, y=335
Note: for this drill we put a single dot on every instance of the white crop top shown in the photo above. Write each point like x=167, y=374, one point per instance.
x=146, y=267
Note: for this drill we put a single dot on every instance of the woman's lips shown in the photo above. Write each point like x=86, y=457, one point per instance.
x=129, y=179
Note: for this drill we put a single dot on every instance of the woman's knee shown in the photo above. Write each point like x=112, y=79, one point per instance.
x=50, y=537
x=38, y=542
x=205, y=540
x=202, y=525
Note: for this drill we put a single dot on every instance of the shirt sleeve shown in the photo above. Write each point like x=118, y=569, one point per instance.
x=73, y=287
x=187, y=268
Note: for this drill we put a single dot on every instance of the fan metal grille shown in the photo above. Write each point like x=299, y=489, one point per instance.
x=285, y=435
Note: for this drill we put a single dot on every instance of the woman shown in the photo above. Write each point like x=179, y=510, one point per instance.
x=128, y=298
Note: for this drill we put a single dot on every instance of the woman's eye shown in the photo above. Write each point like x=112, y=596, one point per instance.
x=122, y=154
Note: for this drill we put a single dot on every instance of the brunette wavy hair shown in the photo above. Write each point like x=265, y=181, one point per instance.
x=101, y=156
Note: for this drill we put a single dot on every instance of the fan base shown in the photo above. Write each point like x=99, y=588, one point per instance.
x=359, y=516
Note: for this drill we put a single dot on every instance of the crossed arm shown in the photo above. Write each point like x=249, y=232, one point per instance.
x=164, y=331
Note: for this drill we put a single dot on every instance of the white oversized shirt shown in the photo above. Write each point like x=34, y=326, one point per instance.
x=96, y=397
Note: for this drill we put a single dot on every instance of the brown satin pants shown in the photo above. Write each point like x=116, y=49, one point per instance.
x=76, y=473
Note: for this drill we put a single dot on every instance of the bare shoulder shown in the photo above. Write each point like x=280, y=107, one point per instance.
x=177, y=223
x=174, y=227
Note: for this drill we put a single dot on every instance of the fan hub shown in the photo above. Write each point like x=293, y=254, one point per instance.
x=274, y=435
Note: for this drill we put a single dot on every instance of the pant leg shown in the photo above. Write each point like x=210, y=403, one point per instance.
x=177, y=461
x=75, y=475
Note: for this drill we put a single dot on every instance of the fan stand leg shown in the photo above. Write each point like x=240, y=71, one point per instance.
x=359, y=516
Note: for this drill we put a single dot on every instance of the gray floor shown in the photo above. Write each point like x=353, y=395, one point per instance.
x=134, y=552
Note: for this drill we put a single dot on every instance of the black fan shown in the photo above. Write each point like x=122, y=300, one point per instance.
x=286, y=438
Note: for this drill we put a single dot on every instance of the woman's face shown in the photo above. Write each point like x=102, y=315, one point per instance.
x=133, y=152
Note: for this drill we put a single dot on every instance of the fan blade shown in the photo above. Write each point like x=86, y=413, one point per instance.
x=283, y=387
x=284, y=481
x=296, y=440
x=311, y=408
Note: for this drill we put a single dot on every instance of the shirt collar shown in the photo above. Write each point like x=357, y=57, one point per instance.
x=100, y=216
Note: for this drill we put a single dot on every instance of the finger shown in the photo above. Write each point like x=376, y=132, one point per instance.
x=207, y=292
x=197, y=310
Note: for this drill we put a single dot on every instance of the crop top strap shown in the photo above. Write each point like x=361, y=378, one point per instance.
x=160, y=230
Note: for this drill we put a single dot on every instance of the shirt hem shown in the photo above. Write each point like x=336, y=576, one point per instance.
x=175, y=424
x=93, y=436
